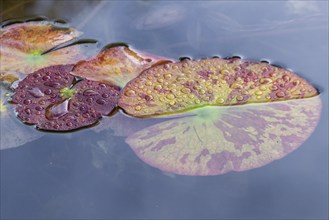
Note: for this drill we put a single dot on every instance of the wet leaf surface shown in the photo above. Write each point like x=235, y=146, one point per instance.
x=36, y=35
x=118, y=64
x=27, y=47
x=12, y=133
x=176, y=87
x=51, y=99
x=233, y=138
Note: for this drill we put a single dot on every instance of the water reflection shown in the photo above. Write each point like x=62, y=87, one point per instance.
x=301, y=7
x=156, y=18
x=218, y=140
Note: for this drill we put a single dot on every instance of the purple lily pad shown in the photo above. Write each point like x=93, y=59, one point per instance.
x=49, y=99
x=102, y=96
x=218, y=140
x=12, y=133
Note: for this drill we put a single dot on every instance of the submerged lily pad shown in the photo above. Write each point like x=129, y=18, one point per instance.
x=29, y=46
x=176, y=87
x=232, y=138
x=52, y=100
x=12, y=133
x=117, y=64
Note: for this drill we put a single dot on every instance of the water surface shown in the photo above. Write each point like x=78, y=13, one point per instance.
x=88, y=174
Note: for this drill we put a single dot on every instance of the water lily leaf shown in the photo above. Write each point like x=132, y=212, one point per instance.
x=27, y=47
x=232, y=138
x=103, y=97
x=12, y=133
x=52, y=100
x=118, y=64
x=36, y=35
x=176, y=87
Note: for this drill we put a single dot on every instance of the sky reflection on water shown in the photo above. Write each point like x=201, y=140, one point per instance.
x=87, y=174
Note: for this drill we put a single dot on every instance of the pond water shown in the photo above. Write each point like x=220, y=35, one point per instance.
x=94, y=174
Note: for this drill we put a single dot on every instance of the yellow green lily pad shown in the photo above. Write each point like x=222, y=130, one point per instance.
x=181, y=86
x=217, y=140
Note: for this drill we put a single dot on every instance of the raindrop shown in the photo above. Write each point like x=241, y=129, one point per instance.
x=130, y=92
x=45, y=78
x=202, y=91
x=28, y=111
x=280, y=94
x=220, y=100
x=101, y=101
x=27, y=101
x=36, y=92
x=38, y=108
x=285, y=78
x=105, y=95
x=37, y=75
x=157, y=87
x=239, y=98
x=90, y=92
x=170, y=96
x=48, y=92
x=167, y=76
x=185, y=90
x=57, y=110
x=172, y=103
x=86, y=115
x=53, y=84
x=262, y=88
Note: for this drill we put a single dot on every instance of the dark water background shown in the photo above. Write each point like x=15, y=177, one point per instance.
x=96, y=175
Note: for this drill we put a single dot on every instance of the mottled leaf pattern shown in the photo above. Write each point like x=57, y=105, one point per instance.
x=24, y=46
x=176, y=87
x=117, y=64
x=232, y=138
x=40, y=35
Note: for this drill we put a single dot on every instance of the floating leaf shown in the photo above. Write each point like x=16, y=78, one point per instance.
x=118, y=64
x=180, y=86
x=12, y=133
x=36, y=35
x=103, y=97
x=48, y=99
x=27, y=47
x=233, y=138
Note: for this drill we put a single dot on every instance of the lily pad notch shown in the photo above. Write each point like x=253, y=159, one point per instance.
x=52, y=99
